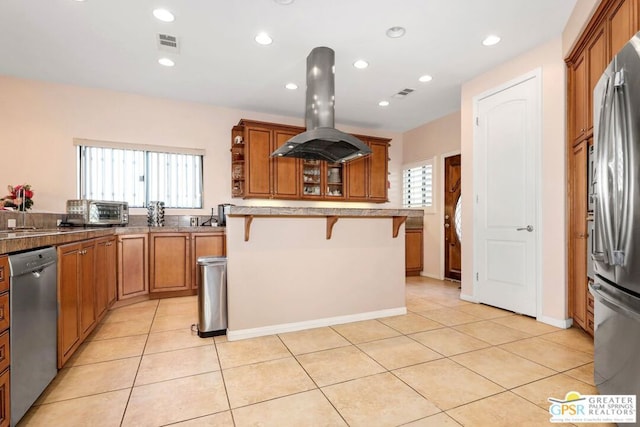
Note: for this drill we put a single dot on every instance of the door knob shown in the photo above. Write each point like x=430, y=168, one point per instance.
x=529, y=228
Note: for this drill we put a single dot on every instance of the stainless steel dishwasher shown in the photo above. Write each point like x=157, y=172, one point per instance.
x=33, y=312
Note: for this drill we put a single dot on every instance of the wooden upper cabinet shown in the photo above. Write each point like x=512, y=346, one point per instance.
x=597, y=60
x=578, y=73
x=257, y=151
x=367, y=177
x=257, y=175
x=621, y=23
x=286, y=170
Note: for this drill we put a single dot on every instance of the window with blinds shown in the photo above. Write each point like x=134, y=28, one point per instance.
x=139, y=176
x=417, y=186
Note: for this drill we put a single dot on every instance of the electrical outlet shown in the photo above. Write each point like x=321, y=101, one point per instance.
x=11, y=223
x=194, y=221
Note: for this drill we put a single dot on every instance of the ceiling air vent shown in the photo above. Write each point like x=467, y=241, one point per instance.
x=168, y=43
x=402, y=93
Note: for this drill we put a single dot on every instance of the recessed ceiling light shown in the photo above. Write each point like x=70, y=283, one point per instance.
x=396, y=32
x=491, y=40
x=264, y=39
x=166, y=62
x=291, y=86
x=383, y=103
x=361, y=64
x=284, y=2
x=163, y=15
x=425, y=78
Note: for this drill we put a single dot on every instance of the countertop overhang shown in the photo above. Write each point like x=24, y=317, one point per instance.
x=399, y=216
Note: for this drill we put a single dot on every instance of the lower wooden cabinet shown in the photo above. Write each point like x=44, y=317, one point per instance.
x=413, y=243
x=169, y=257
x=133, y=265
x=173, y=259
x=69, y=331
x=105, y=272
x=205, y=244
x=5, y=402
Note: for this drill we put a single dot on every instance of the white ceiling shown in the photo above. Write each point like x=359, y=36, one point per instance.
x=112, y=44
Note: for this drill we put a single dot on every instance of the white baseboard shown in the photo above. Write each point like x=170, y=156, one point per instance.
x=558, y=323
x=241, y=334
x=469, y=298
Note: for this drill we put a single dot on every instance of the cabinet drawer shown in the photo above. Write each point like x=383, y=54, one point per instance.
x=5, y=355
x=5, y=413
x=590, y=302
x=4, y=273
x=4, y=311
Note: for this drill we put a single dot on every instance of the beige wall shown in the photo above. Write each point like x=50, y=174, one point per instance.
x=38, y=122
x=552, y=192
x=432, y=141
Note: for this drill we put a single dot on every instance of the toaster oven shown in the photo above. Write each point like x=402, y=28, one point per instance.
x=97, y=212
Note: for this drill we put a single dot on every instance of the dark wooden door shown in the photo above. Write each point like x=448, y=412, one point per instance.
x=452, y=211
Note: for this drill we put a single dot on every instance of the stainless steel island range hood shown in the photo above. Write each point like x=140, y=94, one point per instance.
x=322, y=141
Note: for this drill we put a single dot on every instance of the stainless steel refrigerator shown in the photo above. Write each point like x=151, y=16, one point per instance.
x=616, y=243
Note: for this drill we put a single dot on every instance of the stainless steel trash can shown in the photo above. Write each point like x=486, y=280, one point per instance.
x=212, y=296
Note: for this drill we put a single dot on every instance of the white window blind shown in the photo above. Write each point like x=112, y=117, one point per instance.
x=417, y=186
x=139, y=176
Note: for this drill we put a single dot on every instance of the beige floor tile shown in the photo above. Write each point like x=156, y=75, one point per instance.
x=411, y=323
x=448, y=341
x=169, y=365
x=105, y=409
x=449, y=316
x=484, y=311
x=337, y=365
x=556, y=387
x=550, y=354
x=220, y=338
x=174, y=340
x=176, y=400
x=503, y=367
x=171, y=309
x=119, y=330
x=221, y=419
x=503, y=410
x=526, y=324
x=311, y=340
x=265, y=380
x=308, y=409
x=105, y=350
x=398, y=352
x=446, y=383
x=491, y=332
x=378, y=400
x=438, y=420
x=191, y=299
x=364, y=331
x=91, y=379
x=172, y=322
x=448, y=300
x=421, y=304
x=131, y=314
x=253, y=350
x=583, y=373
x=574, y=338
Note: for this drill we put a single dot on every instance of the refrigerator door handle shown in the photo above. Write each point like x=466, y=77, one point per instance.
x=602, y=210
x=613, y=303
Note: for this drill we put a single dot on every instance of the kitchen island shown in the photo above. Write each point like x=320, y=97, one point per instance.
x=298, y=268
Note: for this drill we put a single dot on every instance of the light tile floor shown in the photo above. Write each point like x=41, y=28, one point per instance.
x=446, y=363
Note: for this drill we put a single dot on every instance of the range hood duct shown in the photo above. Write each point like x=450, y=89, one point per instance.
x=322, y=141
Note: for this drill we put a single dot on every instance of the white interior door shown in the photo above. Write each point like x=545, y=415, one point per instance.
x=507, y=135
